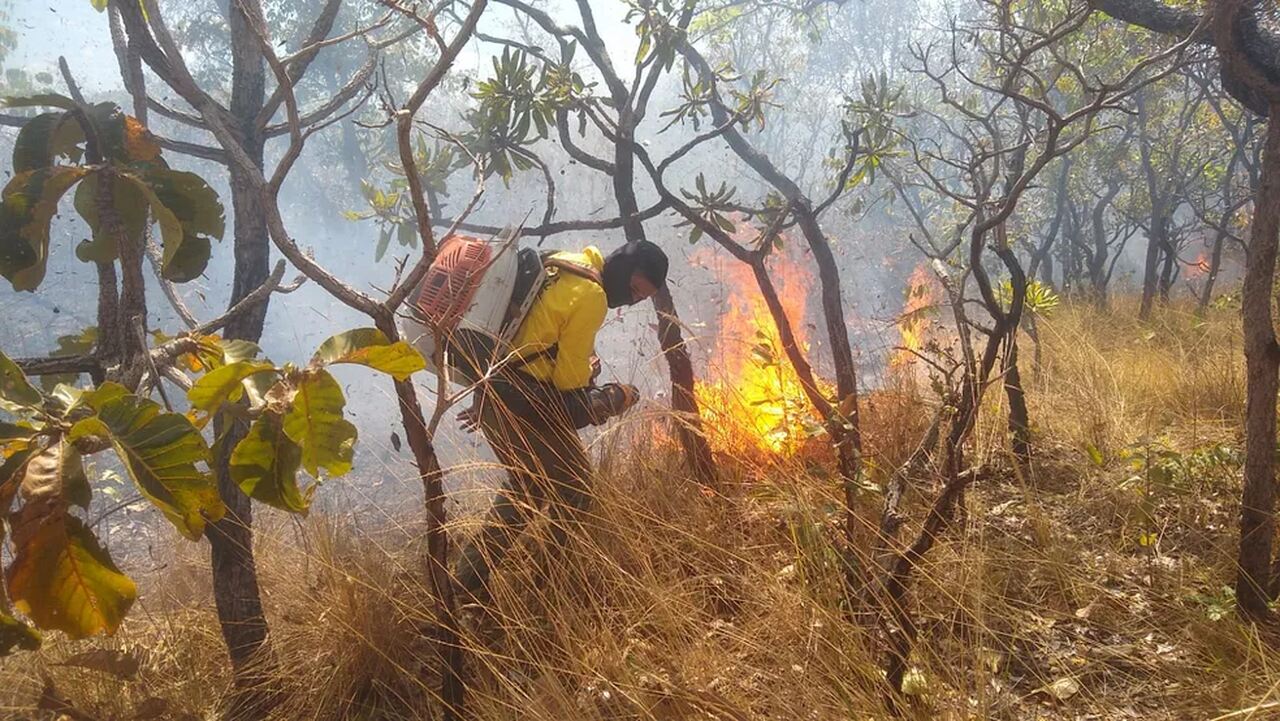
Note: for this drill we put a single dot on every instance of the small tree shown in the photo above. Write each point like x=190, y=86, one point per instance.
x=981, y=149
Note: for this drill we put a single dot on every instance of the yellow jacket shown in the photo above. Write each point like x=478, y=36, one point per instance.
x=568, y=315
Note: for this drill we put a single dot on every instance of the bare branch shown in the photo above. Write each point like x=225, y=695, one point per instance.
x=254, y=297
x=170, y=291
x=296, y=64
x=58, y=365
x=357, y=82
x=404, y=128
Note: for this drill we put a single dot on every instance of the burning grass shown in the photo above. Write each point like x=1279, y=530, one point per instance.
x=1096, y=594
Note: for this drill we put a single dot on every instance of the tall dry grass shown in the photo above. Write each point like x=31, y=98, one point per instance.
x=1094, y=592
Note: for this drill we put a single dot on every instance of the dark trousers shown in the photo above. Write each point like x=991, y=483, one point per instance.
x=529, y=428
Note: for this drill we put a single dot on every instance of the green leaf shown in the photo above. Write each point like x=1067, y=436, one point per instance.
x=45, y=137
x=64, y=396
x=99, y=5
x=370, y=347
x=100, y=396
x=14, y=432
x=316, y=424
x=130, y=206
x=31, y=148
x=407, y=234
x=61, y=577
x=645, y=43
x=72, y=344
x=52, y=578
x=30, y=202
x=192, y=201
x=160, y=450
x=15, y=634
x=215, y=352
x=384, y=240
x=15, y=389
x=184, y=255
x=190, y=261
x=224, y=384
x=265, y=465
x=11, y=470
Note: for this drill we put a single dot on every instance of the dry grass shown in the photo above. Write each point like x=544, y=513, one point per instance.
x=1094, y=594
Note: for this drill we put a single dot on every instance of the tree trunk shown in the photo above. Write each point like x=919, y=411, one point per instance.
x=1071, y=242
x=1098, y=258
x=1156, y=231
x=1019, y=417
x=1169, y=272
x=1041, y=265
x=679, y=365
x=1220, y=236
x=452, y=681
x=1211, y=276
x=977, y=371
x=1262, y=363
x=1046, y=272
x=688, y=425
x=849, y=440
x=1151, y=270
x=235, y=575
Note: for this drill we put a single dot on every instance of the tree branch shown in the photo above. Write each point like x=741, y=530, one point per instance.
x=404, y=128
x=296, y=65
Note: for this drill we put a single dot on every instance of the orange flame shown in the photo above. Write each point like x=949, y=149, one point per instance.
x=753, y=400
x=1198, y=267
x=914, y=327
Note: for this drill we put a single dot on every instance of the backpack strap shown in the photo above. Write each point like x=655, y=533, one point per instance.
x=550, y=261
x=573, y=268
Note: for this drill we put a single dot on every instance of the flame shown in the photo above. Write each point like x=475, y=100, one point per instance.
x=914, y=327
x=1198, y=267
x=753, y=400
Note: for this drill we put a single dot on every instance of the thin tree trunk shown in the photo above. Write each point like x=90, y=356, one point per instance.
x=1041, y=265
x=453, y=682
x=1220, y=235
x=1046, y=272
x=235, y=576
x=1262, y=363
x=679, y=365
x=1098, y=258
x=1019, y=417
x=849, y=448
x=693, y=441
x=977, y=371
x=1169, y=272
x=1156, y=240
x=1211, y=276
x=1150, y=271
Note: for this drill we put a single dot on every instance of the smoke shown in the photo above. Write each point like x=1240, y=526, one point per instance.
x=820, y=63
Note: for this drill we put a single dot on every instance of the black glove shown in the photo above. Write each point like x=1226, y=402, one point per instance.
x=612, y=399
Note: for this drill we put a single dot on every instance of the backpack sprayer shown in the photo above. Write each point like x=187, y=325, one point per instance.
x=472, y=301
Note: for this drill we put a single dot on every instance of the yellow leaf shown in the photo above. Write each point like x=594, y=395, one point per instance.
x=139, y=143
x=62, y=579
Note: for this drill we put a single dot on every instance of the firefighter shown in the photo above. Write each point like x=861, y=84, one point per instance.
x=532, y=407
